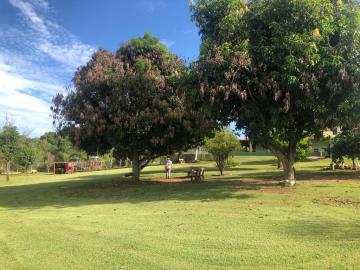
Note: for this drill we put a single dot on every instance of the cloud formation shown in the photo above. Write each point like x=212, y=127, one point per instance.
x=37, y=60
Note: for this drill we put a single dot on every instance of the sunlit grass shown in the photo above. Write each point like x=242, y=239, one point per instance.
x=243, y=220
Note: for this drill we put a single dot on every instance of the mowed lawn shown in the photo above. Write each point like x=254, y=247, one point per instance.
x=243, y=220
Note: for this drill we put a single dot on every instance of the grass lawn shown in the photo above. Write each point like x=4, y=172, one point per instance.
x=243, y=220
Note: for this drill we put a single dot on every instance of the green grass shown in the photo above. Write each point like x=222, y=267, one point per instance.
x=243, y=220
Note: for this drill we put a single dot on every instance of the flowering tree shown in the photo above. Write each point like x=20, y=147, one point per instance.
x=135, y=101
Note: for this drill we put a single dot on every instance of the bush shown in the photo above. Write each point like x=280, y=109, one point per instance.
x=231, y=163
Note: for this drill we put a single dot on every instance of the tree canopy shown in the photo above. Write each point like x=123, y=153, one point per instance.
x=134, y=101
x=283, y=70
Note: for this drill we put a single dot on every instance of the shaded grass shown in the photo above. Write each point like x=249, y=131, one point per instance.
x=243, y=220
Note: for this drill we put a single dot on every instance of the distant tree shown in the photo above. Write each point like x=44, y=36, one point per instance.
x=9, y=138
x=346, y=145
x=282, y=70
x=26, y=155
x=221, y=146
x=135, y=102
x=108, y=158
x=58, y=147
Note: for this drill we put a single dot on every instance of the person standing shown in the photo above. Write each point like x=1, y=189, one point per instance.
x=168, y=166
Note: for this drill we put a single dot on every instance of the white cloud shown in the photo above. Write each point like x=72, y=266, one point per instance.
x=70, y=54
x=167, y=42
x=28, y=10
x=150, y=6
x=27, y=111
x=37, y=59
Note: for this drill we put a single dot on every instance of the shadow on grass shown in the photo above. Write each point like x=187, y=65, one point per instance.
x=110, y=189
x=208, y=170
x=115, y=188
x=322, y=229
x=260, y=162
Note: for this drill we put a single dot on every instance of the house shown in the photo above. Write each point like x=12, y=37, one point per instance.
x=320, y=147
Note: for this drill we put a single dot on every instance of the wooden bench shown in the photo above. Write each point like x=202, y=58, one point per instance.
x=196, y=174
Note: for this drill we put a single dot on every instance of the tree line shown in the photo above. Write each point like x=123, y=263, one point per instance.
x=22, y=153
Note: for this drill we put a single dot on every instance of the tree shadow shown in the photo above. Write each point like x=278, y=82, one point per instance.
x=322, y=229
x=208, y=170
x=99, y=189
x=260, y=162
x=304, y=175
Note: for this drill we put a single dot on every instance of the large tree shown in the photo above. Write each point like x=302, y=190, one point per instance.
x=281, y=69
x=135, y=101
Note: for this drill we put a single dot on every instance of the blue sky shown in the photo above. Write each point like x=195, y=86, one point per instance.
x=42, y=42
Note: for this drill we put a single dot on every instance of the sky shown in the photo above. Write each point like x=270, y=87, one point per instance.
x=43, y=42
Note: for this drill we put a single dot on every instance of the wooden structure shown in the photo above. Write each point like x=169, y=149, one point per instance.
x=77, y=166
x=62, y=167
x=196, y=174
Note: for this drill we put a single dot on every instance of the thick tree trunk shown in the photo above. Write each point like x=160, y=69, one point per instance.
x=136, y=167
x=7, y=171
x=287, y=159
x=289, y=171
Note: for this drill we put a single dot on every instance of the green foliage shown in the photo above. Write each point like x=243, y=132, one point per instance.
x=26, y=155
x=58, y=146
x=232, y=163
x=221, y=146
x=281, y=76
x=303, y=150
x=346, y=145
x=9, y=140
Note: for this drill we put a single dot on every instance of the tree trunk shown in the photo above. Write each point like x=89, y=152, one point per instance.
x=136, y=168
x=289, y=171
x=7, y=171
x=251, y=146
x=287, y=159
x=196, y=153
x=354, y=164
x=279, y=164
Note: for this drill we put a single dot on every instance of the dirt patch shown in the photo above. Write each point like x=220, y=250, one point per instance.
x=219, y=175
x=280, y=190
x=172, y=180
x=338, y=202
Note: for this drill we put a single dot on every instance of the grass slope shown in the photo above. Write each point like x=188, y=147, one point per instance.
x=240, y=221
